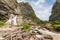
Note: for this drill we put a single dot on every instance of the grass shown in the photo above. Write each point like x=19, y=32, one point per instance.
x=56, y=24
x=25, y=27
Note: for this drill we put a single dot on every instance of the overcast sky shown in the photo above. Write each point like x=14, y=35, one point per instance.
x=42, y=8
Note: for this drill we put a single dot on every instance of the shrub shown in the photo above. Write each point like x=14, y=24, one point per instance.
x=41, y=23
x=56, y=24
x=25, y=27
x=57, y=27
x=1, y=23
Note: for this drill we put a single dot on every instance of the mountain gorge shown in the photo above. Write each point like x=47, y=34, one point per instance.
x=21, y=23
x=22, y=9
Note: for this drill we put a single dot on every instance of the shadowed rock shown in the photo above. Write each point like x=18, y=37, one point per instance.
x=55, y=11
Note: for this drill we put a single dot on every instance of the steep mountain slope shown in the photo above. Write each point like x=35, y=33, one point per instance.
x=6, y=8
x=55, y=17
x=55, y=11
x=24, y=11
x=28, y=13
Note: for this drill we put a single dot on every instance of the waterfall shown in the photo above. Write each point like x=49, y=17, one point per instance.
x=12, y=20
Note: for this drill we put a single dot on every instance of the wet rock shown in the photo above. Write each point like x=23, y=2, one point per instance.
x=25, y=36
x=48, y=37
x=49, y=27
x=35, y=38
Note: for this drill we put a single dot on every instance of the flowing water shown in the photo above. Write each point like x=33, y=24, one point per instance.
x=55, y=36
x=12, y=20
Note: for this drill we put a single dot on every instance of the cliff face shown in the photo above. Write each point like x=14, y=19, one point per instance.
x=6, y=8
x=55, y=11
x=10, y=3
x=27, y=12
x=24, y=11
x=58, y=0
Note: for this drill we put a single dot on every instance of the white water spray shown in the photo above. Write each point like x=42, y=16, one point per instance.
x=54, y=35
x=12, y=20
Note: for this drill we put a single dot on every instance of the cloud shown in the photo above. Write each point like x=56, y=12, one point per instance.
x=42, y=11
x=21, y=1
x=39, y=1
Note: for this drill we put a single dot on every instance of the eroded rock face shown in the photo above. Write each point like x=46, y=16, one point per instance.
x=10, y=3
x=24, y=11
x=55, y=11
x=7, y=7
x=58, y=0
x=28, y=13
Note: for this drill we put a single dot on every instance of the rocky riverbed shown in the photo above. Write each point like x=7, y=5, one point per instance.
x=15, y=33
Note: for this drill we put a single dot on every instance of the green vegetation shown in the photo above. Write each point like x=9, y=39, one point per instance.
x=25, y=27
x=1, y=23
x=56, y=24
x=16, y=1
x=33, y=17
x=41, y=23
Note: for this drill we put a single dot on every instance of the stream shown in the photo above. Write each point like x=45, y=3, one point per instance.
x=55, y=36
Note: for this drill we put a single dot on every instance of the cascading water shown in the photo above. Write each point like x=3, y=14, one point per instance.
x=56, y=36
x=12, y=20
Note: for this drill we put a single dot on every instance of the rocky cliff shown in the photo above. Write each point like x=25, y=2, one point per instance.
x=55, y=11
x=6, y=8
x=28, y=13
x=24, y=11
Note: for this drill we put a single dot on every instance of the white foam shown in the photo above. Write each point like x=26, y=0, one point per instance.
x=55, y=36
x=12, y=19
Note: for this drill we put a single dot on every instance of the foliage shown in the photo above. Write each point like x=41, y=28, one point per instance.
x=25, y=27
x=16, y=1
x=1, y=23
x=41, y=23
x=55, y=12
x=56, y=24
